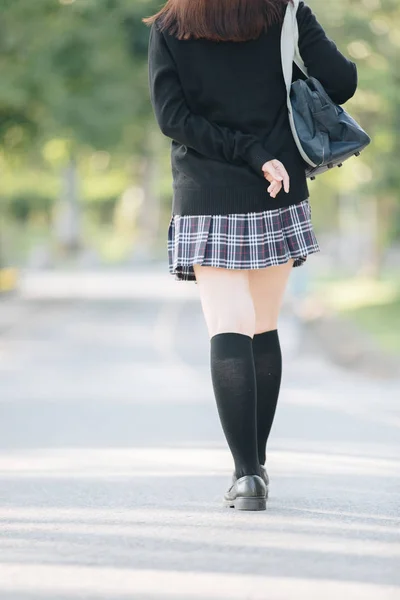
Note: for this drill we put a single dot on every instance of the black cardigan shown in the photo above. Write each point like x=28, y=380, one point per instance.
x=223, y=104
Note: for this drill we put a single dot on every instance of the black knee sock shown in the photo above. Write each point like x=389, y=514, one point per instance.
x=234, y=382
x=268, y=365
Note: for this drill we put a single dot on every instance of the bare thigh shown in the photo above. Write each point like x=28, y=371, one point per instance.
x=226, y=300
x=267, y=288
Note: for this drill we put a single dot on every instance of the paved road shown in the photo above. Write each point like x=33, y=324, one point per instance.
x=112, y=462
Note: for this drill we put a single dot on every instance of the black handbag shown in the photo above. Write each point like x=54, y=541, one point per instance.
x=325, y=134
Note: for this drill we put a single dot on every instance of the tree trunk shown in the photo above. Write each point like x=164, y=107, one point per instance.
x=67, y=223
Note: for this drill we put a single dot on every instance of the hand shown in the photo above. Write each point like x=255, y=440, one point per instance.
x=276, y=174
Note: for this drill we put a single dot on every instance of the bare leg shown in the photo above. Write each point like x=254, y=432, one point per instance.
x=230, y=318
x=267, y=288
x=226, y=300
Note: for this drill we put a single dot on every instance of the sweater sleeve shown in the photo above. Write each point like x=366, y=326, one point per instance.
x=323, y=60
x=177, y=122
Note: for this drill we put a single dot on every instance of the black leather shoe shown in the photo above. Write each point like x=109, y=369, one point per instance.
x=247, y=493
x=264, y=476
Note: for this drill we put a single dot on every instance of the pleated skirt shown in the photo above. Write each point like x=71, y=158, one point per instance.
x=241, y=241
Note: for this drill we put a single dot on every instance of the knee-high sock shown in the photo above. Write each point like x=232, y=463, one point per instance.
x=268, y=364
x=234, y=382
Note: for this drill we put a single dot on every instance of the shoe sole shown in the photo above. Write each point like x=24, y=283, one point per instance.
x=247, y=503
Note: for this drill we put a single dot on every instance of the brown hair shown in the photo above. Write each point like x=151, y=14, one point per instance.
x=218, y=20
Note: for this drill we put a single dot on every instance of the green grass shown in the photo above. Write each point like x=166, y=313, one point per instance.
x=382, y=321
x=373, y=305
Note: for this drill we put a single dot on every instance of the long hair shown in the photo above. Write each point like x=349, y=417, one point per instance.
x=218, y=20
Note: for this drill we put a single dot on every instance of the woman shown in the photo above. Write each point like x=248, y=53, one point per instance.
x=218, y=92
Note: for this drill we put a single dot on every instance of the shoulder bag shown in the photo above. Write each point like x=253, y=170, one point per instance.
x=325, y=134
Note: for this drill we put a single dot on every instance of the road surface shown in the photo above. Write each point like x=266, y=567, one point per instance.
x=113, y=463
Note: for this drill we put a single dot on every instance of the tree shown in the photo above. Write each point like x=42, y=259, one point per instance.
x=74, y=71
x=368, y=32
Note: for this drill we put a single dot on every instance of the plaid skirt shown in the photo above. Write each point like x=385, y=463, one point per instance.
x=240, y=241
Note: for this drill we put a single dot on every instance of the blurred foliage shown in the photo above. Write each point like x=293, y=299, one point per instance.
x=373, y=305
x=21, y=206
x=382, y=321
x=74, y=85
x=368, y=31
x=74, y=70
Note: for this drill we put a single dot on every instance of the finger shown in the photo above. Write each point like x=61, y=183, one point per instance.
x=285, y=175
x=274, y=193
x=286, y=183
x=274, y=185
x=275, y=188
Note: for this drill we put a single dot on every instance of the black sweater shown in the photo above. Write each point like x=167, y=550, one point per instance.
x=223, y=104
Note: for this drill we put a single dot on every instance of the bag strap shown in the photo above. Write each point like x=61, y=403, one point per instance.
x=290, y=44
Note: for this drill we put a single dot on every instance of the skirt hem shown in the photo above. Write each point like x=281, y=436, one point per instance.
x=186, y=272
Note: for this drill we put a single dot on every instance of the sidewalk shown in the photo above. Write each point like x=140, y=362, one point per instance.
x=152, y=282
x=38, y=289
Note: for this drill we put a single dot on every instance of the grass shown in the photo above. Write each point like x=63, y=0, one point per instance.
x=382, y=321
x=373, y=305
